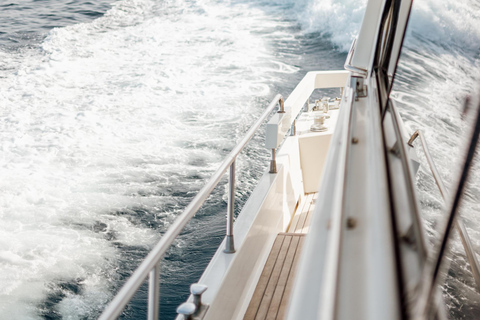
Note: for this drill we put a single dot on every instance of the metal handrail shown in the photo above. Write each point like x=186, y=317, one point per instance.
x=150, y=266
x=348, y=63
x=462, y=231
x=431, y=270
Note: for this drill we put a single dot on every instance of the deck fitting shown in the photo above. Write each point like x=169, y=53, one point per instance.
x=351, y=223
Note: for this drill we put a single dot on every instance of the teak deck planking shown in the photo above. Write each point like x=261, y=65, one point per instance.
x=301, y=220
x=270, y=299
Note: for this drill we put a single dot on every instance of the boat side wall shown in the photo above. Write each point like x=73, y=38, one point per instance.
x=231, y=278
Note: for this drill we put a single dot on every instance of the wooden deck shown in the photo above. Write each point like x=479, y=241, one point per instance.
x=301, y=220
x=270, y=299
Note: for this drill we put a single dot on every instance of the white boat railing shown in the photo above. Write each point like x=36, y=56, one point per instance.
x=150, y=267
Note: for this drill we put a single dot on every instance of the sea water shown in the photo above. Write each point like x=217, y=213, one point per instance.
x=113, y=115
x=439, y=68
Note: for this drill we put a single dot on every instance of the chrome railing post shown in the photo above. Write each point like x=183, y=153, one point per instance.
x=273, y=163
x=229, y=245
x=154, y=293
x=281, y=104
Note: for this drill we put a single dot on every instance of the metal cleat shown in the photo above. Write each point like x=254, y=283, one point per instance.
x=187, y=309
x=197, y=290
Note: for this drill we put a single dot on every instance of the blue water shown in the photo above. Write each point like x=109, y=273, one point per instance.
x=114, y=114
x=25, y=23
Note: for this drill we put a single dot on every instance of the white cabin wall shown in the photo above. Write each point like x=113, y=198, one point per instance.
x=313, y=153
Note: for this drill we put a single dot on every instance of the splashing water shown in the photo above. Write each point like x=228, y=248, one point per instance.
x=109, y=127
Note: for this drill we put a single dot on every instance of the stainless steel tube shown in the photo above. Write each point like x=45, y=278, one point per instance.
x=273, y=163
x=282, y=105
x=154, y=293
x=229, y=245
x=467, y=244
x=432, y=269
x=115, y=308
x=293, y=129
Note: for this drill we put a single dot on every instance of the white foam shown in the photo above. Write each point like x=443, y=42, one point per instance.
x=447, y=23
x=112, y=111
x=107, y=111
x=438, y=69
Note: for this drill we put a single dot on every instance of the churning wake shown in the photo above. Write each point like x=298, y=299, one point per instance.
x=109, y=127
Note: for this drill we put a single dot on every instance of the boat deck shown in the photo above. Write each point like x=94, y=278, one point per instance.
x=301, y=220
x=270, y=299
